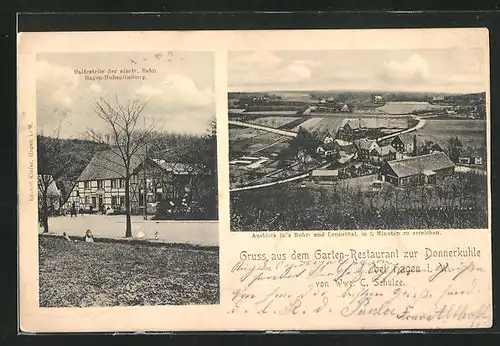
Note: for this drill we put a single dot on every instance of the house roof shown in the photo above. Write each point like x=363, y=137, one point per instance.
x=345, y=158
x=344, y=146
x=52, y=188
x=418, y=164
x=342, y=143
x=107, y=164
x=407, y=138
x=179, y=168
x=386, y=150
x=365, y=144
x=325, y=172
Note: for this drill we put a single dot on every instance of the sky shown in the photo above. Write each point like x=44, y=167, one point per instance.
x=454, y=70
x=180, y=95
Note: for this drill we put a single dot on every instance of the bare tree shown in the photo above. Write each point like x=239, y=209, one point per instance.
x=52, y=165
x=125, y=138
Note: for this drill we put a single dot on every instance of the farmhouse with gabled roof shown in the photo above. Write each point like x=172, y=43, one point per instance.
x=417, y=169
x=101, y=184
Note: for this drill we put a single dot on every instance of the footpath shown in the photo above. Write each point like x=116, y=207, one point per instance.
x=193, y=233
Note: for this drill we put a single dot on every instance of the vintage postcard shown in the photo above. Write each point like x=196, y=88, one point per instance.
x=254, y=180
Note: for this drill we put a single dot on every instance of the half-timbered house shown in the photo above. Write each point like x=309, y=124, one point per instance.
x=101, y=185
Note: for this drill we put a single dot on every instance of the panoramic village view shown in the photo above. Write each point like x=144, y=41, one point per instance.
x=127, y=179
x=358, y=140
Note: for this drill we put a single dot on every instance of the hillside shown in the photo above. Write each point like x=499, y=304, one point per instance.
x=77, y=152
x=65, y=159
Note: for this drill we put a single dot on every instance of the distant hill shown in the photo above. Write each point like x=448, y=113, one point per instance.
x=167, y=146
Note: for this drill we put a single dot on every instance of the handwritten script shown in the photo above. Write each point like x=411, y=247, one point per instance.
x=437, y=291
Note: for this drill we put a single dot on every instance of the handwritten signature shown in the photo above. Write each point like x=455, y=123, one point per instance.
x=350, y=288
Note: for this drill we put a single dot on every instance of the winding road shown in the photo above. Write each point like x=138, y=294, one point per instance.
x=420, y=124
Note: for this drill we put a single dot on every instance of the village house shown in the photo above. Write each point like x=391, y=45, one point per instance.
x=101, y=185
x=382, y=154
x=438, y=98
x=407, y=143
x=366, y=147
x=373, y=152
x=328, y=139
x=54, y=192
x=328, y=152
x=351, y=130
x=416, y=170
x=345, y=147
x=324, y=175
x=471, y=156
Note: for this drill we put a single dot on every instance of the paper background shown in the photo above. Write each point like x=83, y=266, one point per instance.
x=188, y=318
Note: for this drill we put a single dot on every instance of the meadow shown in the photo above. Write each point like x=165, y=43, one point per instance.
x=332, y=124
x=407, y=107
x=273, y=121
x=116, y=274
x=472, y=133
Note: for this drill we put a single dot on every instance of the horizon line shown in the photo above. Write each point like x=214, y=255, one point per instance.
x=358, y=90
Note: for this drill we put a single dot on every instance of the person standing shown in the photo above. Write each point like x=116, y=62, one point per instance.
x=73, y=209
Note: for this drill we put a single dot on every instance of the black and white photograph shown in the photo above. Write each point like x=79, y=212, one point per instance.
x=382, y=139
x=127, y=179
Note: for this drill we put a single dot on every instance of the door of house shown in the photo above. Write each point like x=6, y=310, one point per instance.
x=94, y=202
x=101, y=204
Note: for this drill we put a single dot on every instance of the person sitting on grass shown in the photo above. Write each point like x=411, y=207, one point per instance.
x=65, y=236
x=89, y=238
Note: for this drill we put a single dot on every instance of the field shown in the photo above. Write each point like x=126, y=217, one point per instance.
x=263, y=113
x=298, y=96
x=273, y=121
x=114, y=274
x=407, y=107
x=245, y=141
x=238, y=133
x=332, y=124
x=471, y=133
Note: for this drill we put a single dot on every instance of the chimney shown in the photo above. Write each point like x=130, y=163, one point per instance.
x=415, y=145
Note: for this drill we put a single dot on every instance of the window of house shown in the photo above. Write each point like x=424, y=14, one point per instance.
x=86, y=184
x=100, y=184
x=117, y=183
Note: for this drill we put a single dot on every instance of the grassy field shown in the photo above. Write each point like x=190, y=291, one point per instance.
x=332, y=124
x=116, y=274
x=471, y=133
x=272, y=121
x=259, y=140
x=407, y=107
x=237, y=133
